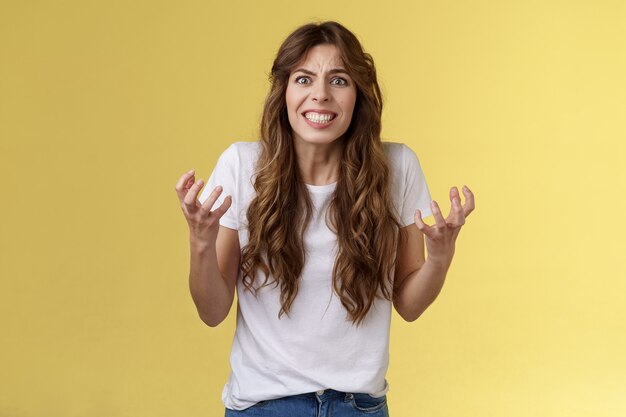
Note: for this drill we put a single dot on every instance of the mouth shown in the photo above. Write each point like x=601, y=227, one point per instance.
x=319, y=118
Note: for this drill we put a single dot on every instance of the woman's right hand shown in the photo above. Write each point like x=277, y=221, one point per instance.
x=203, y=223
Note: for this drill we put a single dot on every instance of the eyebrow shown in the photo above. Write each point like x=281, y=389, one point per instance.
x=332, y=71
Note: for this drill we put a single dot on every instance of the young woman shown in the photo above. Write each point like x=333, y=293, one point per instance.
x=318, y=225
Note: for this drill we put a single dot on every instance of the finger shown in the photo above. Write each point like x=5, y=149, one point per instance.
x=190, y=199
x=419, y=222
x=456, y=217
x=440, y=222
x=219, y=212
x=208, y=204
x=469, y=201
x=188, y=185
x=182, y=182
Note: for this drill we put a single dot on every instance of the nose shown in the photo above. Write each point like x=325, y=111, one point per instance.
x=320, y=92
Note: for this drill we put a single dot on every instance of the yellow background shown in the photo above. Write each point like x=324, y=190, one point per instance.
x=104, y=104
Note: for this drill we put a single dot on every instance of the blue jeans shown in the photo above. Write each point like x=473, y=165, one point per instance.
x=329, y=403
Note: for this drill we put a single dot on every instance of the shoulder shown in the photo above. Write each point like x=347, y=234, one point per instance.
x=400, y=155
x=243, y=151
x=397, y=150
x=240, y=157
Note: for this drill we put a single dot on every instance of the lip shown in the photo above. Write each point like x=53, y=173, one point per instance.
x=319, y=125
x=320, y=111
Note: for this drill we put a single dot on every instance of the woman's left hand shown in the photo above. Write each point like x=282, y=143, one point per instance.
x=440, y=237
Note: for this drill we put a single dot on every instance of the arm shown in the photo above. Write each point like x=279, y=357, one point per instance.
x=214, y=263
x=213, y=274
x=418, y=282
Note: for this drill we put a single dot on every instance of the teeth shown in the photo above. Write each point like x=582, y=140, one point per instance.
x=319, y=118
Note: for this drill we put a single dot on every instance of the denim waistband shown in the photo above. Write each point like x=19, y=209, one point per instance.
x=323, y=394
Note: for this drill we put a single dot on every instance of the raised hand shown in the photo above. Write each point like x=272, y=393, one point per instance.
x=441, y=237
x=203, y=223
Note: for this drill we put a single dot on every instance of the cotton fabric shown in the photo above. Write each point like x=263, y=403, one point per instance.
x=316, y=347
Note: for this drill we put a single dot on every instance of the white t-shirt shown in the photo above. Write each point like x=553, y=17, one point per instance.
x=316, y=347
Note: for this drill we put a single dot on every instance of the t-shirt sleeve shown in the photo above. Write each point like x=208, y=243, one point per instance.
x=416, y=194
x=225, y=174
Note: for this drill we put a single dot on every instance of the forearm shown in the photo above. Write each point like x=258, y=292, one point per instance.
x=208, y=289
x=421, y=288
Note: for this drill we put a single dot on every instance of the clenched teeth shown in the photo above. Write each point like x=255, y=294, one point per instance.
x=319, y=118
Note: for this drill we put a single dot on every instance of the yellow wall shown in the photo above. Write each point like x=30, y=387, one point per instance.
x=104, y=104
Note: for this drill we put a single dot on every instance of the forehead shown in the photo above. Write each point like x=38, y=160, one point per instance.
x=320, y=56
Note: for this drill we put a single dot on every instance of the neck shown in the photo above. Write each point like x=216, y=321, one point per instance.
x=318, y=163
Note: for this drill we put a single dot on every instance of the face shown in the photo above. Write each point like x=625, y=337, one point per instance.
x=320, y=97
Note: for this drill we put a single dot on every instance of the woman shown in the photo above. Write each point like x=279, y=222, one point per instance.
x=319, y=227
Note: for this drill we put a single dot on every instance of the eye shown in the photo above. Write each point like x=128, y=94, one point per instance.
x=302, y=80
x=339, y=81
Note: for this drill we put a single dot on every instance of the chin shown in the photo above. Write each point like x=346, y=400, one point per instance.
x=318, y=140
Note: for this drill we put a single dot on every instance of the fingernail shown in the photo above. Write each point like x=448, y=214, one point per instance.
x=199, y=182
x=190, y=171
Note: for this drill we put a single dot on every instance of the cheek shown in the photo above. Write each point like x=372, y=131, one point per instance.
x=293, y=99
x=349, y=103
x=292, y=107
x=288, y=101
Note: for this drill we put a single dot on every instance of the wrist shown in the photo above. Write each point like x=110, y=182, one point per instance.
x=439, y=262
x=200, y=245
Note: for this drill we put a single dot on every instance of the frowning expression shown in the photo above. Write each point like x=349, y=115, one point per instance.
x=320, y=96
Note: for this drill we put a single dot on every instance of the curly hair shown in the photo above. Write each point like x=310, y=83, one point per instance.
x=360, y=213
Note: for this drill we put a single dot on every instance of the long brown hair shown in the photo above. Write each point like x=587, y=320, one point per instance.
x=361, y=212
